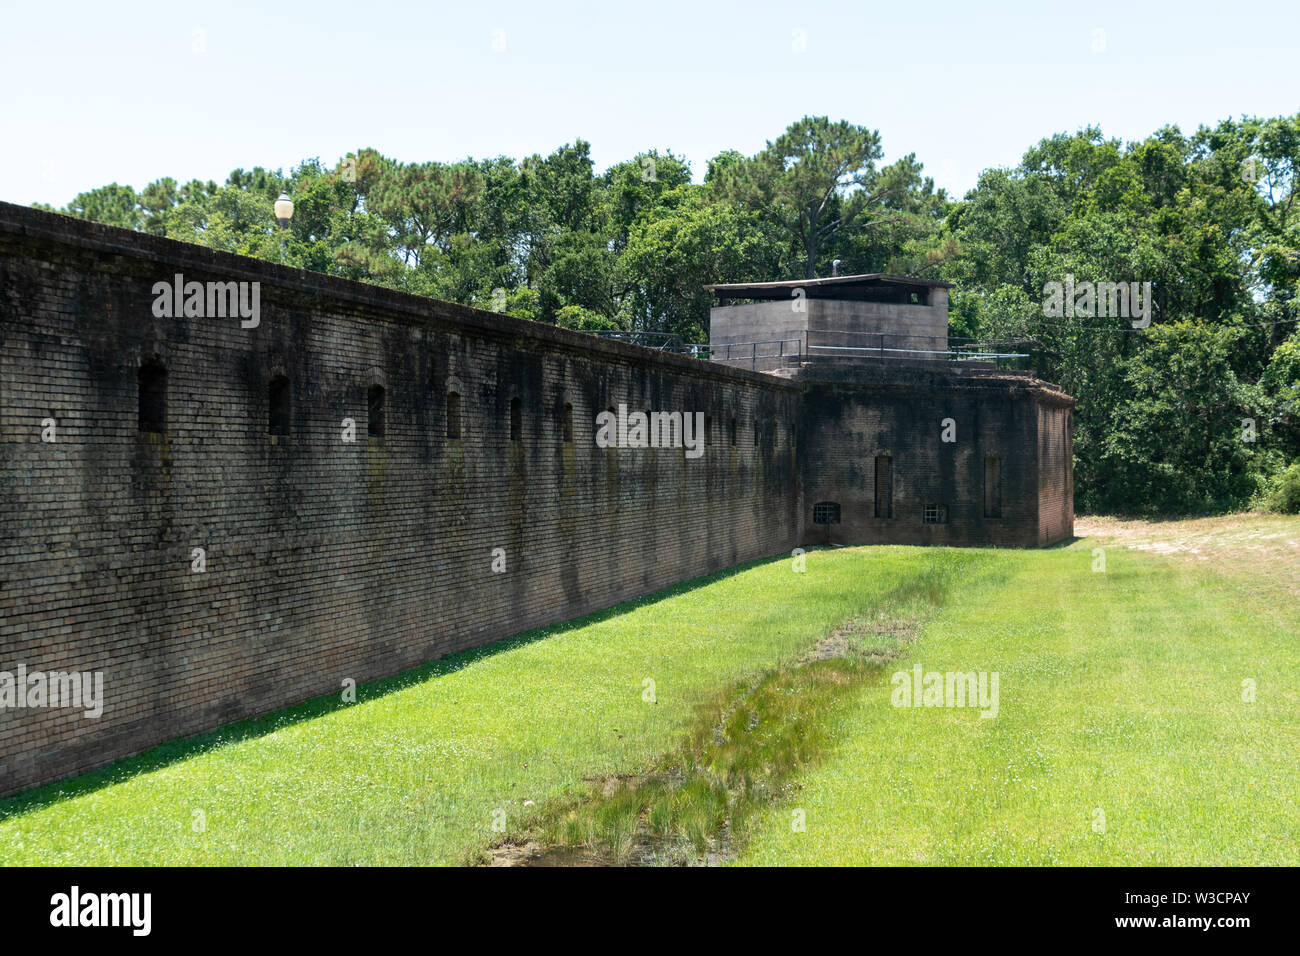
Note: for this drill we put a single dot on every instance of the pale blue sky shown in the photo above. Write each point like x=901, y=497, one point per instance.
x=99, y=92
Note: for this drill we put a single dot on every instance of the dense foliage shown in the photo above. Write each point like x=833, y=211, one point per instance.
x=1197, y=411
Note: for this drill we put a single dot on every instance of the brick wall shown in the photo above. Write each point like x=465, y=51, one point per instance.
x=328, y=560
x=324, y=560
x=852, y=417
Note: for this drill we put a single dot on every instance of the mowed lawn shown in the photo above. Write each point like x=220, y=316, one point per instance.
x=1122, y=735
x=1118, y=691
x=419, y=774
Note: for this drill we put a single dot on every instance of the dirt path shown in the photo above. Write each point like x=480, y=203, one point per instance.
x=1261, y=551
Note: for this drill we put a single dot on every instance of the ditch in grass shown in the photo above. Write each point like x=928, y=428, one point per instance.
x=742, y=757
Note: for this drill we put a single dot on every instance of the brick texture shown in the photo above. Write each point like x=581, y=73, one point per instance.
x=328, y=560
x=852, y=416
x=325, y=560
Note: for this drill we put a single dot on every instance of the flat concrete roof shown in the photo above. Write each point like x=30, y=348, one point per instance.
x=828, y=288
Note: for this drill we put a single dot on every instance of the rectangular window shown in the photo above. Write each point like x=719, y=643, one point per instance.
x=992, y=487
x=516, y=420
x=278, y=406
x=884, y=486
x=152, y=383
x=826, y=512
x=453, y=415
x=935, y=514
x=375, y=408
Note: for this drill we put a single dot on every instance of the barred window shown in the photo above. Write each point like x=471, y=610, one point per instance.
x=826, y=512
x=935, y=514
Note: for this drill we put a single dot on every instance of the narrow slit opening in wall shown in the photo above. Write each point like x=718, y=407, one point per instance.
x=731, y=431
x=992, y=487
x=375, y=409
x=152, y=384
x=516, y=420
x=884, y=486
x=1069, y=459
x=279, y=406
x=453, y=415
x=566, y=427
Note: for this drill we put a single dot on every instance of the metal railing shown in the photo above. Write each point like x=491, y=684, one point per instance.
x=827, y=344
x=883, y=346
x=772, y=349
x=750, y=352
x=661, y=341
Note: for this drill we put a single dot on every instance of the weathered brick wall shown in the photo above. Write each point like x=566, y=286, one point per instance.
x=325, y=560
x=328, y=560
x=851, y=416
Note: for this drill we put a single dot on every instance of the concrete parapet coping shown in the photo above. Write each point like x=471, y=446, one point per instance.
x=902, y=374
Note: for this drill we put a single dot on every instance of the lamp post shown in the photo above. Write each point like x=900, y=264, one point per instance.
x=283, y=212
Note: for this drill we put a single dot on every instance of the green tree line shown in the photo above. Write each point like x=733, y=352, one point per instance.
x=1198, y=411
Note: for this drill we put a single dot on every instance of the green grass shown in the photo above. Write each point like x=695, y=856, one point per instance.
x=1119, y=691
x=419, y=769
x=747, y=746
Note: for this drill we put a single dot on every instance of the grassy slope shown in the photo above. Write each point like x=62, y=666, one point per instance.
x=413, y=772
x=1119, y=690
